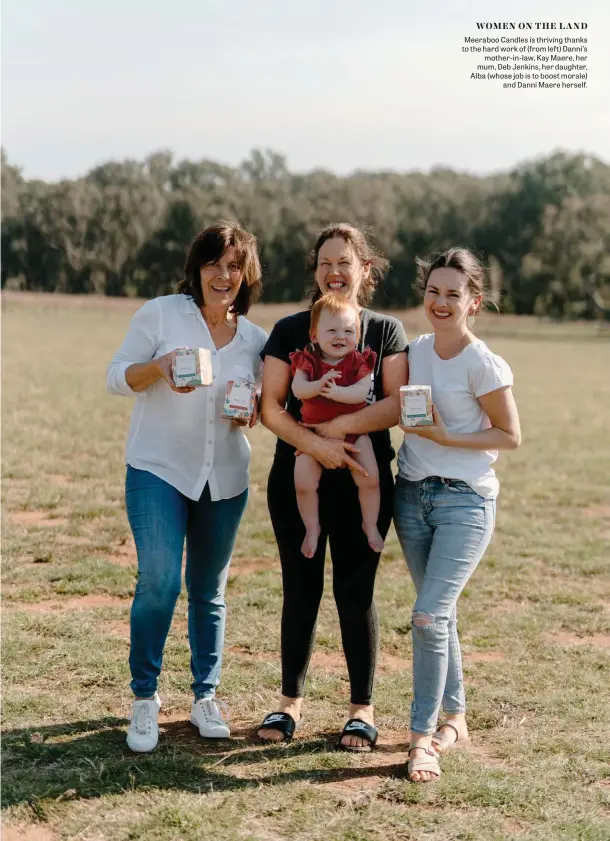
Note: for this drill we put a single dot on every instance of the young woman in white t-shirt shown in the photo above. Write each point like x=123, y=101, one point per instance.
x=446, y=489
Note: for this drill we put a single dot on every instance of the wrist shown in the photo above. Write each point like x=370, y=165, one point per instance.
x=158, y=370
x=316, y=448
x=338, y=427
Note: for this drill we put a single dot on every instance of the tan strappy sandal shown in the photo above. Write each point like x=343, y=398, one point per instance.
x=443, y=742
x=424, y=763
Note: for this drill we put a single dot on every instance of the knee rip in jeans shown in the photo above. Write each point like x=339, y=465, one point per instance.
x=423, y=620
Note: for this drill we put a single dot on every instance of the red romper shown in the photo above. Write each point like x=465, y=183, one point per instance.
x=353, y=368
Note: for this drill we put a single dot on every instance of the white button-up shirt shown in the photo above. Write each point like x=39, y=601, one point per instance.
x=182, y=438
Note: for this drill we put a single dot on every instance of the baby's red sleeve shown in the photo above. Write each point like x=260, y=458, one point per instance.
x=364, y=364
x=301, y=360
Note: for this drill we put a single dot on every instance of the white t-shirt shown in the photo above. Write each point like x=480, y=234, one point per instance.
x=183, y=438
x=456, y=383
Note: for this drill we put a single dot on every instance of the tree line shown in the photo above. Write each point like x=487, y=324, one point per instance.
x=123, y=229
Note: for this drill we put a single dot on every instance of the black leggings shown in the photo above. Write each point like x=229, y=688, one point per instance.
x=354, y=569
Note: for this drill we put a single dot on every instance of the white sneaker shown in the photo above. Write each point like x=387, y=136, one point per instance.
x=205, y=714
x=143, y=732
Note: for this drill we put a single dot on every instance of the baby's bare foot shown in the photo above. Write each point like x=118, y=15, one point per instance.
x=376, y=541
x=310, y=544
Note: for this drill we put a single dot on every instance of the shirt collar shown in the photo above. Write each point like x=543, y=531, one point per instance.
x=244, y=327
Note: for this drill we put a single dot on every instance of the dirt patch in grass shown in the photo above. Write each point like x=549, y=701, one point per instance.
x=569, y=638
x=597, y=511
x=484, y=657
x=25, y=832
x=327, y=661
x=333, y=661
x=124, y=555
x=60, y=479
x=264, y=656
x=120, y=627
x=74, y=540
x=76, y=603
x=515, y=827
x=36, y=518
x=248, y=566
x=482, y=752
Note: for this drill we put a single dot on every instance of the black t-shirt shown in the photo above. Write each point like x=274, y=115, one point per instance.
x=382, y=333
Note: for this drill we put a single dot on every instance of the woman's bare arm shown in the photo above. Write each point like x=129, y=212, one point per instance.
x=503, y=434
x=141, y=375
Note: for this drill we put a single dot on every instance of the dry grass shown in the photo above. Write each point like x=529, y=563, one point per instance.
x=535, y=625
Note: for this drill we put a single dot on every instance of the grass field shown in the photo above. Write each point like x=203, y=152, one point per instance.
x=535, y=626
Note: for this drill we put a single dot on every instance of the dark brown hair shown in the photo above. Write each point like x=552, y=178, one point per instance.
x=463, y=260
x=208, y=247
x=333, y=303
x=364, y=251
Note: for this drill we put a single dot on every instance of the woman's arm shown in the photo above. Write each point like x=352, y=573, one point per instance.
x=380, y=415
x=133, y=367
x=276, y=383
x=141, y=375
x=504, y=434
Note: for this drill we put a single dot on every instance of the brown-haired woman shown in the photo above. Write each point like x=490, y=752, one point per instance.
x=344, y=263
x=187, y=466
x=446, y=491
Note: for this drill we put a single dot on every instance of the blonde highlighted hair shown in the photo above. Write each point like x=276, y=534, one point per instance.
x=334, y=304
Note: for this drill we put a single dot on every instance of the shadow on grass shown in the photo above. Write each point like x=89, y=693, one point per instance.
x=87, y=759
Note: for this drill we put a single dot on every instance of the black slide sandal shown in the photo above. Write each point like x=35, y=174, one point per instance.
x=357, y=727
x=283, y=722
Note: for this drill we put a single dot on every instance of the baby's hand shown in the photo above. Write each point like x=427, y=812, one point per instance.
x=330, y=389
x=327, y=381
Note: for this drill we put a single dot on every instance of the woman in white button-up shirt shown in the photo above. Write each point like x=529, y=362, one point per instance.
x=187, y=466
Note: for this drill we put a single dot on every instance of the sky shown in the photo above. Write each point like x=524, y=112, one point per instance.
x=334, y=84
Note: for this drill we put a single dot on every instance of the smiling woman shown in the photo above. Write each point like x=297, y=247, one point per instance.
x=223, y=269
x=445, y=502
x=187, y=466
x=344, y=266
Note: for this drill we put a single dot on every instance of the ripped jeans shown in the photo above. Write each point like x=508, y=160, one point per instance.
x=444, y=528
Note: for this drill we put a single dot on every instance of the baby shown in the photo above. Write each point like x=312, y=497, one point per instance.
x=334, y=379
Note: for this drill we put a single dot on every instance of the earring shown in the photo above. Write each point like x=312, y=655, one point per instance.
x=470, y=320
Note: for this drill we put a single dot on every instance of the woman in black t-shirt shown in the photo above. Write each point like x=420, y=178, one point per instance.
x=343, y=262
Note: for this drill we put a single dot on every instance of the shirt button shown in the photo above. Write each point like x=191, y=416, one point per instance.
x=208, y=464
x=210, y=442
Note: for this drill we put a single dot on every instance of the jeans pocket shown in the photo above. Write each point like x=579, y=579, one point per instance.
x=458, y=486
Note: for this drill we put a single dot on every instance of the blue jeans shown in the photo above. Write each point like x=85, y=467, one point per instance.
x=161, y=518
x=444, y=528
